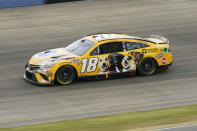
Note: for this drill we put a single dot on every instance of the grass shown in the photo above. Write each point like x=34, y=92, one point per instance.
x=125, y=121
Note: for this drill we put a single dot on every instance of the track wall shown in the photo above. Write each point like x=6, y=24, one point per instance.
x=18, y=3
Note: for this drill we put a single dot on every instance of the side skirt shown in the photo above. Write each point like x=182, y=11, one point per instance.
x=113, y=75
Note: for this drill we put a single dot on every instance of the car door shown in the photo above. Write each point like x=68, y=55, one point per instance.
x=110, y=55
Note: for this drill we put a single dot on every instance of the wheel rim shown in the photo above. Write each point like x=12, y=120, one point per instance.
x=65, y=75
x=147, y=66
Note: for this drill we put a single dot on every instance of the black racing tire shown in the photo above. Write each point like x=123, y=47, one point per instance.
x=65, y=75
x=147, y=67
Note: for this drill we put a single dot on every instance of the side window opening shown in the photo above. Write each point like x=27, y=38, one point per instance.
x=134, y=45
x=111, y=47
x=95, y=52
x=107, y=48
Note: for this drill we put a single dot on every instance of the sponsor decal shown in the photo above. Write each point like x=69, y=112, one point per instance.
x=47, y=53
x=76, y=62
x=149, y=50
x=142, y=42
x=144, y=51
x=136, y=56
x=108, y=36
x=65, y=63
x=159, y=55
x=165, y=49
x=104, y=65
x=163, y=61
x=113, y=63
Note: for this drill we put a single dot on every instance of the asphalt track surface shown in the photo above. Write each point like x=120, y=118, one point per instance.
x=27, y=30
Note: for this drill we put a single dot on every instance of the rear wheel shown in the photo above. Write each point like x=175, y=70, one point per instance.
x=147, y=67
x=65, y=75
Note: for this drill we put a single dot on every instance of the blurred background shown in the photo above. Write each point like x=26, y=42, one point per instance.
x=27, y=30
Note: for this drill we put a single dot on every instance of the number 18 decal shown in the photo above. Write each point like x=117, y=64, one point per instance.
x=91, y=65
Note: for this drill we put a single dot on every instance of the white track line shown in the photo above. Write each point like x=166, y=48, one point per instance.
x=173, y=127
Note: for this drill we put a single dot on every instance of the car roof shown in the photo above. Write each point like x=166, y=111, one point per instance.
x=113, y=36
x=110, y=36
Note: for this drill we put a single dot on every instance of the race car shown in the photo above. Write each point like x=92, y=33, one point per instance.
x=100, y=56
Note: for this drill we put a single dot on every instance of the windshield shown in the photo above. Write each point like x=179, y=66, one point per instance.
x=80, y=47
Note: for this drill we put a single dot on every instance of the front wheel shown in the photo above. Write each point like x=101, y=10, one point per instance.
x=65, y=75
x=147, y=67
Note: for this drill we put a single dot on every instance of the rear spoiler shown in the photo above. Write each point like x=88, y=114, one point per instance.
x=165, y=40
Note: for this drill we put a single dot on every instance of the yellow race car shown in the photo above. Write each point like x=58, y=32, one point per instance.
x=99, y=56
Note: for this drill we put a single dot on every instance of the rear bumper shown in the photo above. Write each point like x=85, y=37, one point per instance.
x=165, y=66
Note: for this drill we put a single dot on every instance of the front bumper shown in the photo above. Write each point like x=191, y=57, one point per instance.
x=31, y=78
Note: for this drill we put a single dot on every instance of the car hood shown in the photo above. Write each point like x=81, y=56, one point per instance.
x=51, y=56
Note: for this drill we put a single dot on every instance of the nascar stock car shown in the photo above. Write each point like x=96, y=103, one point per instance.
x=99, y=55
